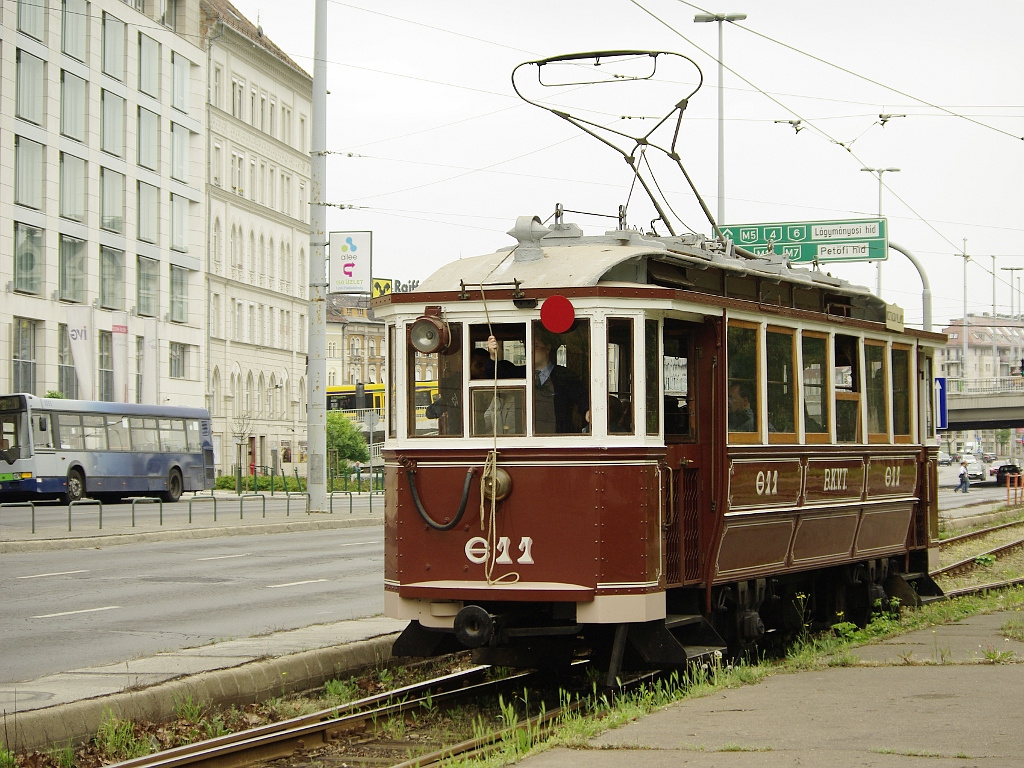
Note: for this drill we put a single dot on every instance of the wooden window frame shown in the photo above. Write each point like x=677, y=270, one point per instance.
x=908, y=437
x=878, y=437
x=746, y=438
x=819, y=438
x=783, y=437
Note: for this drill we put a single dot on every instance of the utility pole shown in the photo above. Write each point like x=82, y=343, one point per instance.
x=316, y=370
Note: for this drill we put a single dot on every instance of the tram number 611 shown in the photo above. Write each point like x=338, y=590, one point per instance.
x=478, y=550
x=767, y=483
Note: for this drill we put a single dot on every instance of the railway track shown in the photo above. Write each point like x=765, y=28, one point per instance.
x=330, y=727
x=974, y=535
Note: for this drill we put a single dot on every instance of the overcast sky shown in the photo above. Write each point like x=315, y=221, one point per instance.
x=446, y=156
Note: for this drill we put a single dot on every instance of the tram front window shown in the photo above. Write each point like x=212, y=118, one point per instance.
x=561, y=376
x=441, y=417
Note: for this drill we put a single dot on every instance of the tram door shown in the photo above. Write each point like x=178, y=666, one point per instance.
x=686, y=416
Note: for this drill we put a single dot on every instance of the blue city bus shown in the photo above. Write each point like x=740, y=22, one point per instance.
x=70, y=449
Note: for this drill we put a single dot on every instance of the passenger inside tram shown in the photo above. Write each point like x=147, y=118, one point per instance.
x=741, y=412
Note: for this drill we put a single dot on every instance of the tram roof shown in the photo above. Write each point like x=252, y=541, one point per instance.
x=562, y=257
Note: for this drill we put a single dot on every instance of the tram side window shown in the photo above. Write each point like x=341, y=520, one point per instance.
x=561, y=380
x=68, y=427
x=392, y=401
x=780, y=364
x=742, y=397
x=679, y=406
x=443, y=416
x=815, y=387
x=876, y=392
x=901, y=393
x=651, y=357
x=620, y=376
x=846, y=374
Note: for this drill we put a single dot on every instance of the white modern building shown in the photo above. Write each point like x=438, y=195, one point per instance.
x=154, y=189
x=258, y=129
x=102, y=199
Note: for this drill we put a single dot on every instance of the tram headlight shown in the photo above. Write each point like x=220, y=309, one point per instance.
x=429, y=334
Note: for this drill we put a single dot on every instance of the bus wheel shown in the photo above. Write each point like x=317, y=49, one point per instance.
x=75, y=486
x=174, y=487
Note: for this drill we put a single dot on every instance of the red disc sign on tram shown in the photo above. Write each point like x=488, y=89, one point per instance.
x=557, y=314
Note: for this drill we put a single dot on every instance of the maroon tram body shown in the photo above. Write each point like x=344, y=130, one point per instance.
x=692, y=448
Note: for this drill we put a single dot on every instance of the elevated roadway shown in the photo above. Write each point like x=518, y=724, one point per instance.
x=985, y=403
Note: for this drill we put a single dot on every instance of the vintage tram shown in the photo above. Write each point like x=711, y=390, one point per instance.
x=649, y=448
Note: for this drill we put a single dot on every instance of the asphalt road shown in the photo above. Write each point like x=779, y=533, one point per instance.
x=80, y=607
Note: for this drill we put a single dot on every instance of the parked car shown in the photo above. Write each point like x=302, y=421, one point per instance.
x=945, y=459
x=989, y=457
x=976, y=471
x=1004, y=471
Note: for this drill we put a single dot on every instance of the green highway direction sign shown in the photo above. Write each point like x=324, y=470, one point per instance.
x=807, y=241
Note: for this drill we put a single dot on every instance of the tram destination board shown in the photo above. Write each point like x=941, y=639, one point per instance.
x=808, y=241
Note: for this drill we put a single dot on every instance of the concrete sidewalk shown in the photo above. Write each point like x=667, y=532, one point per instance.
x=936, y=703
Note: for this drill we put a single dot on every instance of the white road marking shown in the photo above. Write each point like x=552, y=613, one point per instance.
x=295, y=583
x=223, y=557
x=44, y=575
x=358, y=544
x=84, y=610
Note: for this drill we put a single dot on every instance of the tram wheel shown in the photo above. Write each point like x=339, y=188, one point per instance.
x=174, y=486
x=75, y=486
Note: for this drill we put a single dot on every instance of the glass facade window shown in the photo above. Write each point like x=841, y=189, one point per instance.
x=28, y=259
x=28, y=173
x=67, y=378
x=74, y=27
x=23, y=355
x=112, y=125
x=31, y=85
x=140, y=350
x=179, y=152
x=111, y=200
x=179, y=82
x=72, y=187
x=149, y=66
x=106, y=366
x=32, y=21
x=149, y=212
x=149, y=140
x=179, y=294
x=178, y=357
x=179, y=223
x=148, y=287
x=113, y=46
x=111, y=278
x=73, y=92
x=72, y=269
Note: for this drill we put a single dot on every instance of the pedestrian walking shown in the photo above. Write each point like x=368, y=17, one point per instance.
x=965, y=481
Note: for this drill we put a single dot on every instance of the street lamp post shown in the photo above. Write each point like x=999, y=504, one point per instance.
x=1013, y=316
x=720, y=17
x=878, y=172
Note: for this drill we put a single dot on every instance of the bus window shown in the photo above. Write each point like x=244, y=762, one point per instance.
x=42, y=432
x=10, y=435
x=561, y=380
x=118, y=434
x=620, y=376
x=846, y=374
x=901, y=393
x=780, y=364
x=94, y=432
x=815, y=387
x=742, y=395
x=68, y=428
x=443, y=415
x=676, y=371
x=172, y=435
x=193, y=435
x=144, y=434
x=876, y=392
x=651, y=357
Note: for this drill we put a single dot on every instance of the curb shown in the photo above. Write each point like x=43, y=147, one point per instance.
x=143, y=537
x=78, y=722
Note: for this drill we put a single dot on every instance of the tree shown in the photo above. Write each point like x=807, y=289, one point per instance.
x=345, y=439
